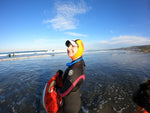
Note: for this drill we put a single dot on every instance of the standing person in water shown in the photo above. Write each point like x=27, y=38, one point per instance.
x=142, y=97
x=73, y=77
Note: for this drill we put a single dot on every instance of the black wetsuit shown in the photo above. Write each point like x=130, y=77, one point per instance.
x=141, y=98
x=72, y=96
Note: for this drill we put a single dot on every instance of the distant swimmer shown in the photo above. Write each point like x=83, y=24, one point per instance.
x=11, y=55
x=73, y=78
x=142, y=97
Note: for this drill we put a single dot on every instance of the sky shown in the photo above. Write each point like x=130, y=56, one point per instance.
x=47, y=24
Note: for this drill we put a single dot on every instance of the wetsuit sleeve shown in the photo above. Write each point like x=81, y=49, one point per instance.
x=140, y=97
x=72, y=78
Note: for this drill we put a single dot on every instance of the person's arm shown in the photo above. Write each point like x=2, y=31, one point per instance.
x=139, y=110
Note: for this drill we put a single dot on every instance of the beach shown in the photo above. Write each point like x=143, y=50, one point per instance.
x=111, y=79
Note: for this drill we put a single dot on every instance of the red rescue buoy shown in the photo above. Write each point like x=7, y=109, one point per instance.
x=51, y=100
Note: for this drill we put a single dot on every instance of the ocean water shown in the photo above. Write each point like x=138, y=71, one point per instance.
x=111, y=78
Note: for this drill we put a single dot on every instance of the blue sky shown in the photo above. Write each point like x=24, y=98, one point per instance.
x=47, y=24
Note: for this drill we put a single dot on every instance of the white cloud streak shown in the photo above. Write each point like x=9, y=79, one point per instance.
x=127, y=41
x=66, y=12
x=76, y=34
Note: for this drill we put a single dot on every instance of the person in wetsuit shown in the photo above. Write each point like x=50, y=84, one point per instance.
x=142, y=96
x=73, y=77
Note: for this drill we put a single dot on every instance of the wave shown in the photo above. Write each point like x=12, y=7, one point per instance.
x=19, y=56
x=1, y=55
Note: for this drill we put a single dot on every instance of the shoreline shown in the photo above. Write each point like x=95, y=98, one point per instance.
x=28, y=57
x=19, y=57
x=38, y=56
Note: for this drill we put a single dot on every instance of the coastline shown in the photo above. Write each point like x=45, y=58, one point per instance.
x=35, y=55
x=20, y=57
x=28, y=57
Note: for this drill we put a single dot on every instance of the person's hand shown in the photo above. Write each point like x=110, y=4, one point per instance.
x=60, y=72
x=59, y=79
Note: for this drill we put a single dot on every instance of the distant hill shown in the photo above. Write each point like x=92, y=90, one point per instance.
x=142, y=49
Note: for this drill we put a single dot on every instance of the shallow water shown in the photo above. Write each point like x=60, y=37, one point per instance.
x=111, y=78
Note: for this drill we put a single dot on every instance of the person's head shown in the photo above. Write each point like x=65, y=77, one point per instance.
x=75, y=48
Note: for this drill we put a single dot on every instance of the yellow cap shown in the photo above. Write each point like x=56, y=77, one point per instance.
x=80, y=49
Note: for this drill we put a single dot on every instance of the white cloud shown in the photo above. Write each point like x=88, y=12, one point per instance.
x=117, y=42
x=66, y=12
x=76, y=34
x=127, y=41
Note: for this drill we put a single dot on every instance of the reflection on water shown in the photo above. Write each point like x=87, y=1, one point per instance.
x=111, y=78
